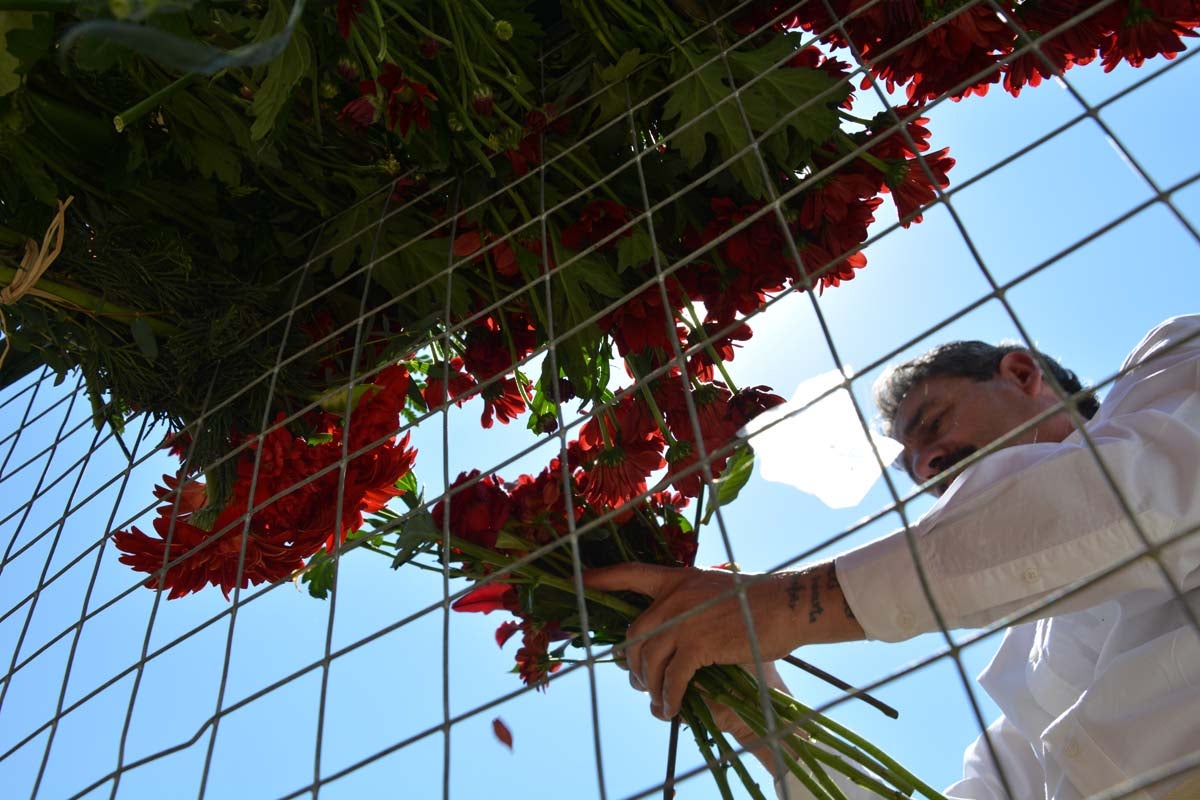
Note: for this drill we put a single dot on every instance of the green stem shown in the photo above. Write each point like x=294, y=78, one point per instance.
x=864, y=155
x=316, y=107
x=90, y=303
x=461, y=43
x=482, y=10
x=736, y=689
x=594, y=25
x=648, y=396
x=828, y=787
x=712, y=351
x=862, y=744
x=851, y=118
x=496, y=559
x=357, y=41
x=134, y=113
x=728, y=753
x=399, y=9
x=503, y=80
x=714, y=765
x=858, y=776
x=378, y=13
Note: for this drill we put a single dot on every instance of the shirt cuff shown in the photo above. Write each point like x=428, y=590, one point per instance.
x=880, y=583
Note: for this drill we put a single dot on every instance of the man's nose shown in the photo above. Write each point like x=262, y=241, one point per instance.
x=929, y=461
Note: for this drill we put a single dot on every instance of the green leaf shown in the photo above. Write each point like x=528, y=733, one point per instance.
x=700, y=99
x=318, y=575
x=33, y=174
x=215, y=159
x=634, y=250
x=24, y=38
x=786, y=88
x=180, y=54
x=143, y=336
x=335, y=402
x=347, y=236
x=416, y=531
x=729, y=485
x=541, y=403
x=594, y=272
x=626, y=64
x=282, y=74
x=408, y=484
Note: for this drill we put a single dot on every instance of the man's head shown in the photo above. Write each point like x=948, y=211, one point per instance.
x=961, y=396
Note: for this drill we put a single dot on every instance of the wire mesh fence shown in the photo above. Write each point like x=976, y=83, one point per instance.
x=1069, y=224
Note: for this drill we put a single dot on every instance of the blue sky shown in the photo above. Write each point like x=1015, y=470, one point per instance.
x=1088, y=308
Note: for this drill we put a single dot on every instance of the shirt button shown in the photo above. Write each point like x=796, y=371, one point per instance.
x=1030, y=575
x=1072, y=749
x=905, y=621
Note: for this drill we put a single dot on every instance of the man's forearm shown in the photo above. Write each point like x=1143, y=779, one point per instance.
x=818, y=609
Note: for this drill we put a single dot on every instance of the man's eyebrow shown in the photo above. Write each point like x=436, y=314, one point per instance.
x=917, y=418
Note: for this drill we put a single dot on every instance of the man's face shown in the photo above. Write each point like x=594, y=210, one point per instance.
x=944, y=420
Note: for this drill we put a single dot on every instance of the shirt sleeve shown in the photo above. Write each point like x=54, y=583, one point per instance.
x=1030, y=520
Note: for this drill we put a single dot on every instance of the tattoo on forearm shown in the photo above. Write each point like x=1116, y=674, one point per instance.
x=795, y=586
x=814, y=601
x=831, y=583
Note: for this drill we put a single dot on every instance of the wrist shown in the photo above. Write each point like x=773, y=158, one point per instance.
x=815, y=608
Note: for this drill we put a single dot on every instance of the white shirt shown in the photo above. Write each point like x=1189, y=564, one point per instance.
x=1106, y=685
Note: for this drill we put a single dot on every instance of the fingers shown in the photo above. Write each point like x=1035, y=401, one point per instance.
x=656, y=655
x=652, y=581
x=662, y=661
x=677, y=674
x=647, y=579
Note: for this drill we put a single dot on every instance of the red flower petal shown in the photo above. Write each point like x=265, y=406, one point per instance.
x=506, y=631
x=468, y=243
x=502, y=732
x=488, y=598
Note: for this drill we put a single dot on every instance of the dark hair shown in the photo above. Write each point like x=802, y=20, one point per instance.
x=976, y=360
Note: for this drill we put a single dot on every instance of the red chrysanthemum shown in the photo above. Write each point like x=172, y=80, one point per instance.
x=405, y=101
x=527, y=153
x=708, y=344
x=358, y=113
x=599, y=220
x=292, y=491
x=748, y=403
x=503, y=400
x=622, y=446
x=1150, y=28
x=441, y=375
x=539, y=508
x=217, y=552
x=912, y=188
x=477, y=512
x=641, y=322
x=492, y=350
x=684, y=471
x=534, y=663
x=347, y=15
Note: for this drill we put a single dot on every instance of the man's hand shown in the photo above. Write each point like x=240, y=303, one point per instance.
x=788, y=609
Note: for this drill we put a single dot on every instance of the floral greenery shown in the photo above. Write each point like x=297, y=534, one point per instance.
x=297, y=229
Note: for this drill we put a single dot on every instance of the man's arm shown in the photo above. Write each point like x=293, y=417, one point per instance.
x=788, y=609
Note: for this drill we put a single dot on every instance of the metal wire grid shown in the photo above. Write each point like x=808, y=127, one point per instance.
x=899, y=501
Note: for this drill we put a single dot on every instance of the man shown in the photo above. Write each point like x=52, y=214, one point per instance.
x=1103, y=686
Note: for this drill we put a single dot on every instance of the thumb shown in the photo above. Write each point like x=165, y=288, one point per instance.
x=648, y=579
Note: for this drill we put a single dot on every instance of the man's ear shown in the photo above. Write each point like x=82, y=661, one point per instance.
x=1022, y=369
